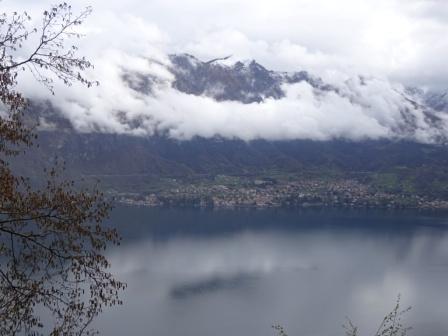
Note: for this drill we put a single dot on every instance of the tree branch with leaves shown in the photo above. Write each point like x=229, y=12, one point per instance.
x=52, y=238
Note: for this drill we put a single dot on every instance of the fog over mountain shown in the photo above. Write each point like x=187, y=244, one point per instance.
x=182, y=97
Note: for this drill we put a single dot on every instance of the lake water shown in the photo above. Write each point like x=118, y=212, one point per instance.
x=201, y=272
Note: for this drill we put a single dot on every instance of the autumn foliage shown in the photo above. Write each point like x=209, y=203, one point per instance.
x=54, y=276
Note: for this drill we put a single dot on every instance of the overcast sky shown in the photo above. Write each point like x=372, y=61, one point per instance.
x=397, y=41
x=406, y=40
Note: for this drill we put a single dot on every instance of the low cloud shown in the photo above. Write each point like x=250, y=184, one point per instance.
x=122, y=44
x=362, y=108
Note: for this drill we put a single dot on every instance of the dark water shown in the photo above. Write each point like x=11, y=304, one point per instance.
x=193, y=272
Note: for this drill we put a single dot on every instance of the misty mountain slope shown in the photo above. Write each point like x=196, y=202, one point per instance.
x=436, y=100
x=421, y=115
x=182, y=97
x=249, y=82
x=122, y=155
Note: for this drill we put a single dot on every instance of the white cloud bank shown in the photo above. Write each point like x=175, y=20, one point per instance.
x=373, y=109
x=394, y=39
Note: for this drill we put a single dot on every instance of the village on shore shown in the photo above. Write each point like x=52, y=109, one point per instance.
x=269, y=193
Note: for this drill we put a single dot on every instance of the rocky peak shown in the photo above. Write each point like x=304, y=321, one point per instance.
x=246, y=82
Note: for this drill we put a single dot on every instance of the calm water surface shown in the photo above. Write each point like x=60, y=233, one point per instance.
x=193, y=272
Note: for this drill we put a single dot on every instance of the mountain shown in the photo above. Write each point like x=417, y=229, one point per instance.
x=245, y=82
x=127, y=163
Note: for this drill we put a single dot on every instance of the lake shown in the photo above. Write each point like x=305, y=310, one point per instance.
x=237, y=272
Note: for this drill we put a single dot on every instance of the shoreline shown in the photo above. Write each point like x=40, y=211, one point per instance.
x=428, y=207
